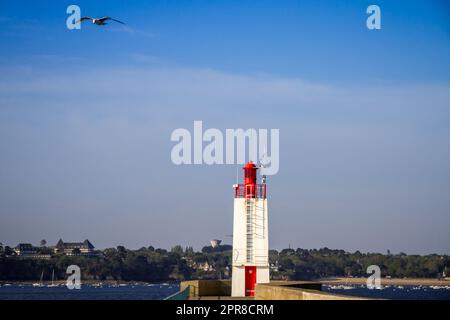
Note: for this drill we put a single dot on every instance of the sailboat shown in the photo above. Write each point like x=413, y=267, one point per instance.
x=53, y=280
x=40, y=281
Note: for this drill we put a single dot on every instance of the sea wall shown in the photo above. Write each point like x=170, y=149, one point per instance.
x=277, y=290
x=203, y=288
x=292, y=290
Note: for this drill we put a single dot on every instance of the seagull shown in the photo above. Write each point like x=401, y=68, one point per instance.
x=99, y=21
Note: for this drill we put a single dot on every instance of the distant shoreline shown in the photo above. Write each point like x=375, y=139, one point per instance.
x=388, y=281
x=62, y=282
x=328, y=281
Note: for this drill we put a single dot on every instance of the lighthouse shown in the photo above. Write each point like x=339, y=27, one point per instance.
x=250, y=234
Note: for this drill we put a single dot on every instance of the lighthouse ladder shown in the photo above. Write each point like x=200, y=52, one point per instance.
x=250, y=228
x=259, y=221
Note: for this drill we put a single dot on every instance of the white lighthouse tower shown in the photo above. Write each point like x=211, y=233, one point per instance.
x=250, y=234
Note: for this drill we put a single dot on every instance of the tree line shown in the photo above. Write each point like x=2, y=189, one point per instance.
x=152, y=265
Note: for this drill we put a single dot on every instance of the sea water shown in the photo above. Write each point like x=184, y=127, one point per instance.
x=98, y=291
x=392, y=292
x=158, y=291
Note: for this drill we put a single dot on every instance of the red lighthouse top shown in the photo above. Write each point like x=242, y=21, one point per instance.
x=250, y=173
x=250, y=188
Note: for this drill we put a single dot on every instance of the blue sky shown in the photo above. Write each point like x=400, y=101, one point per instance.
x=318, y=41
x=86, y=117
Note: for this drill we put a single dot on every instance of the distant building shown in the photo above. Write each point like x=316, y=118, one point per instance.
x=274, y=266
x=215, y=243
x=28, y=251
x=74, y=248
x=25, y=249
x=206, y=266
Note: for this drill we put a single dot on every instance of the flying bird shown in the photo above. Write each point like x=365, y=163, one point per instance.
x=100, y=21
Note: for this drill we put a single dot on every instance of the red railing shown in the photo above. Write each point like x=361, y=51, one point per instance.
x=250, y=191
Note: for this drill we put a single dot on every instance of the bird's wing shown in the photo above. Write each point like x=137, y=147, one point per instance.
x=109, y=18
x=85, y=18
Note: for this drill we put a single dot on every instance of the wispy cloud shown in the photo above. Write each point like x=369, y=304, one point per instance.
x=5, y=19
x=36, y=61
x=358, y=156
x=133, y=31
x=55, y=58
x=144, y=58
x=11, y=26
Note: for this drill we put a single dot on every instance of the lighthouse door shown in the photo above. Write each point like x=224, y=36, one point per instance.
x=250, y=280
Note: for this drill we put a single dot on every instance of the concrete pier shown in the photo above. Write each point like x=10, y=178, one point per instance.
x=275, y=290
